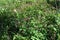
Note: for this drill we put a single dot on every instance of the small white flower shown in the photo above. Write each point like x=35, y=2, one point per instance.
x=15, y=10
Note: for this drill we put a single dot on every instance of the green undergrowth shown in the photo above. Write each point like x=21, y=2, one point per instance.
x=28, y=20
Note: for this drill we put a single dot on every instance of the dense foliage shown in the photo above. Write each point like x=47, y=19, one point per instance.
x=29, y=20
